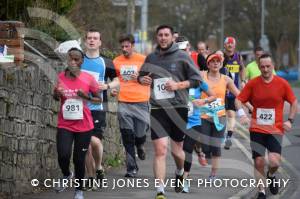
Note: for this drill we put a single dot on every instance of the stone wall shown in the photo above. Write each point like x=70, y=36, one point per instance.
x=28, y=119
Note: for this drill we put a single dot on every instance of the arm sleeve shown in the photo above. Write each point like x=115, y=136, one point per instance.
x=194, y=83
x=192, y=73
x=144, y=69
x=204, y=86
x=110, y=70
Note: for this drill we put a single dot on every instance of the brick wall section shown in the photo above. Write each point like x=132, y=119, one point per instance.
x=28, y=119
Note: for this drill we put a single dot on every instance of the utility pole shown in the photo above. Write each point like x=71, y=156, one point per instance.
x=144, y=24
x=262, y=19
x=264, y=41
x=222, y=24
x=130, y=16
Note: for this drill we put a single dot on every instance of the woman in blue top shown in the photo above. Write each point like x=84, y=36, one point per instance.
x=194, y=126
x=194, y=120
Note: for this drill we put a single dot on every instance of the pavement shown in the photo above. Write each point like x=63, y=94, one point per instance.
x=236, y=164
x=233, y=165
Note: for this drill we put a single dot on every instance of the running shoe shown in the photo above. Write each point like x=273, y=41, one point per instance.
x=100, y=176
x=160, y=195
x=186, y=187
x=274, y=188
x=228, y=143
x=179, y=183
x=88, y=186
x=131, y=174
x=212, y=178
x=261, y=195
x=141, y=152
x=60, y=188
x=78, y=194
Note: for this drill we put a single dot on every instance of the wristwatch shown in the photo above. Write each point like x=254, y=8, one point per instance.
x=291, y=120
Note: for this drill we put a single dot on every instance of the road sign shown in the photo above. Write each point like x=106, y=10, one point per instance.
x=125, y=2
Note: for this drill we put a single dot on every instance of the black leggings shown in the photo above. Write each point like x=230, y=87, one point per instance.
x=64, y=140
x=189, y=142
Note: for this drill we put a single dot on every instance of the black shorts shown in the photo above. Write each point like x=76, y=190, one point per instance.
x=211, y=138
x=169, y=122
x=229, y=104
x=260, y=142
x=99, y=118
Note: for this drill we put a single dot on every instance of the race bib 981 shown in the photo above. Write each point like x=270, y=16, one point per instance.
x=72, y=109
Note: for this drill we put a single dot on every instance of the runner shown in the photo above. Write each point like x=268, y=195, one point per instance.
x=133, y=106
x=267, y=93
x=100, y=68
x=170, y=72
x=234, y=63
x=185, y=45
x=252, y=69
x=214, y=122
x=194, y=129
x=175, y=35
x=74, y=118
x=191, y=140
x=202, y=54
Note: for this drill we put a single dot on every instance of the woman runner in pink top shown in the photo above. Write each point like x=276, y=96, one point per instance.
x=74, y=118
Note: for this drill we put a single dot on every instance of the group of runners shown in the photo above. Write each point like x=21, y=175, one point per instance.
x=183, y=98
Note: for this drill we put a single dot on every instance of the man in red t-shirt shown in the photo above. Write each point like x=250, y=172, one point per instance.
x=267, y=94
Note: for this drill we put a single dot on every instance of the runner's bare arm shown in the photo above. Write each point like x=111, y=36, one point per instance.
x=113, y=92
x=57, y=93
x=242, y=72
x=134, y=76
x=287, y=125
x=211, y=97
x=94, y=98
x=171, y=85
x=231, y=86
x=113, y=84
x=293, y=109
x=233, y=89
x=145, y=80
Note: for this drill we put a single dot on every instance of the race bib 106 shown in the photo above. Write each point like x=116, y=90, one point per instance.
x=72, y=109
x=160, y=91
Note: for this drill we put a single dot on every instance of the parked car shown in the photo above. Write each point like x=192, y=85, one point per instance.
x=289, y=74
